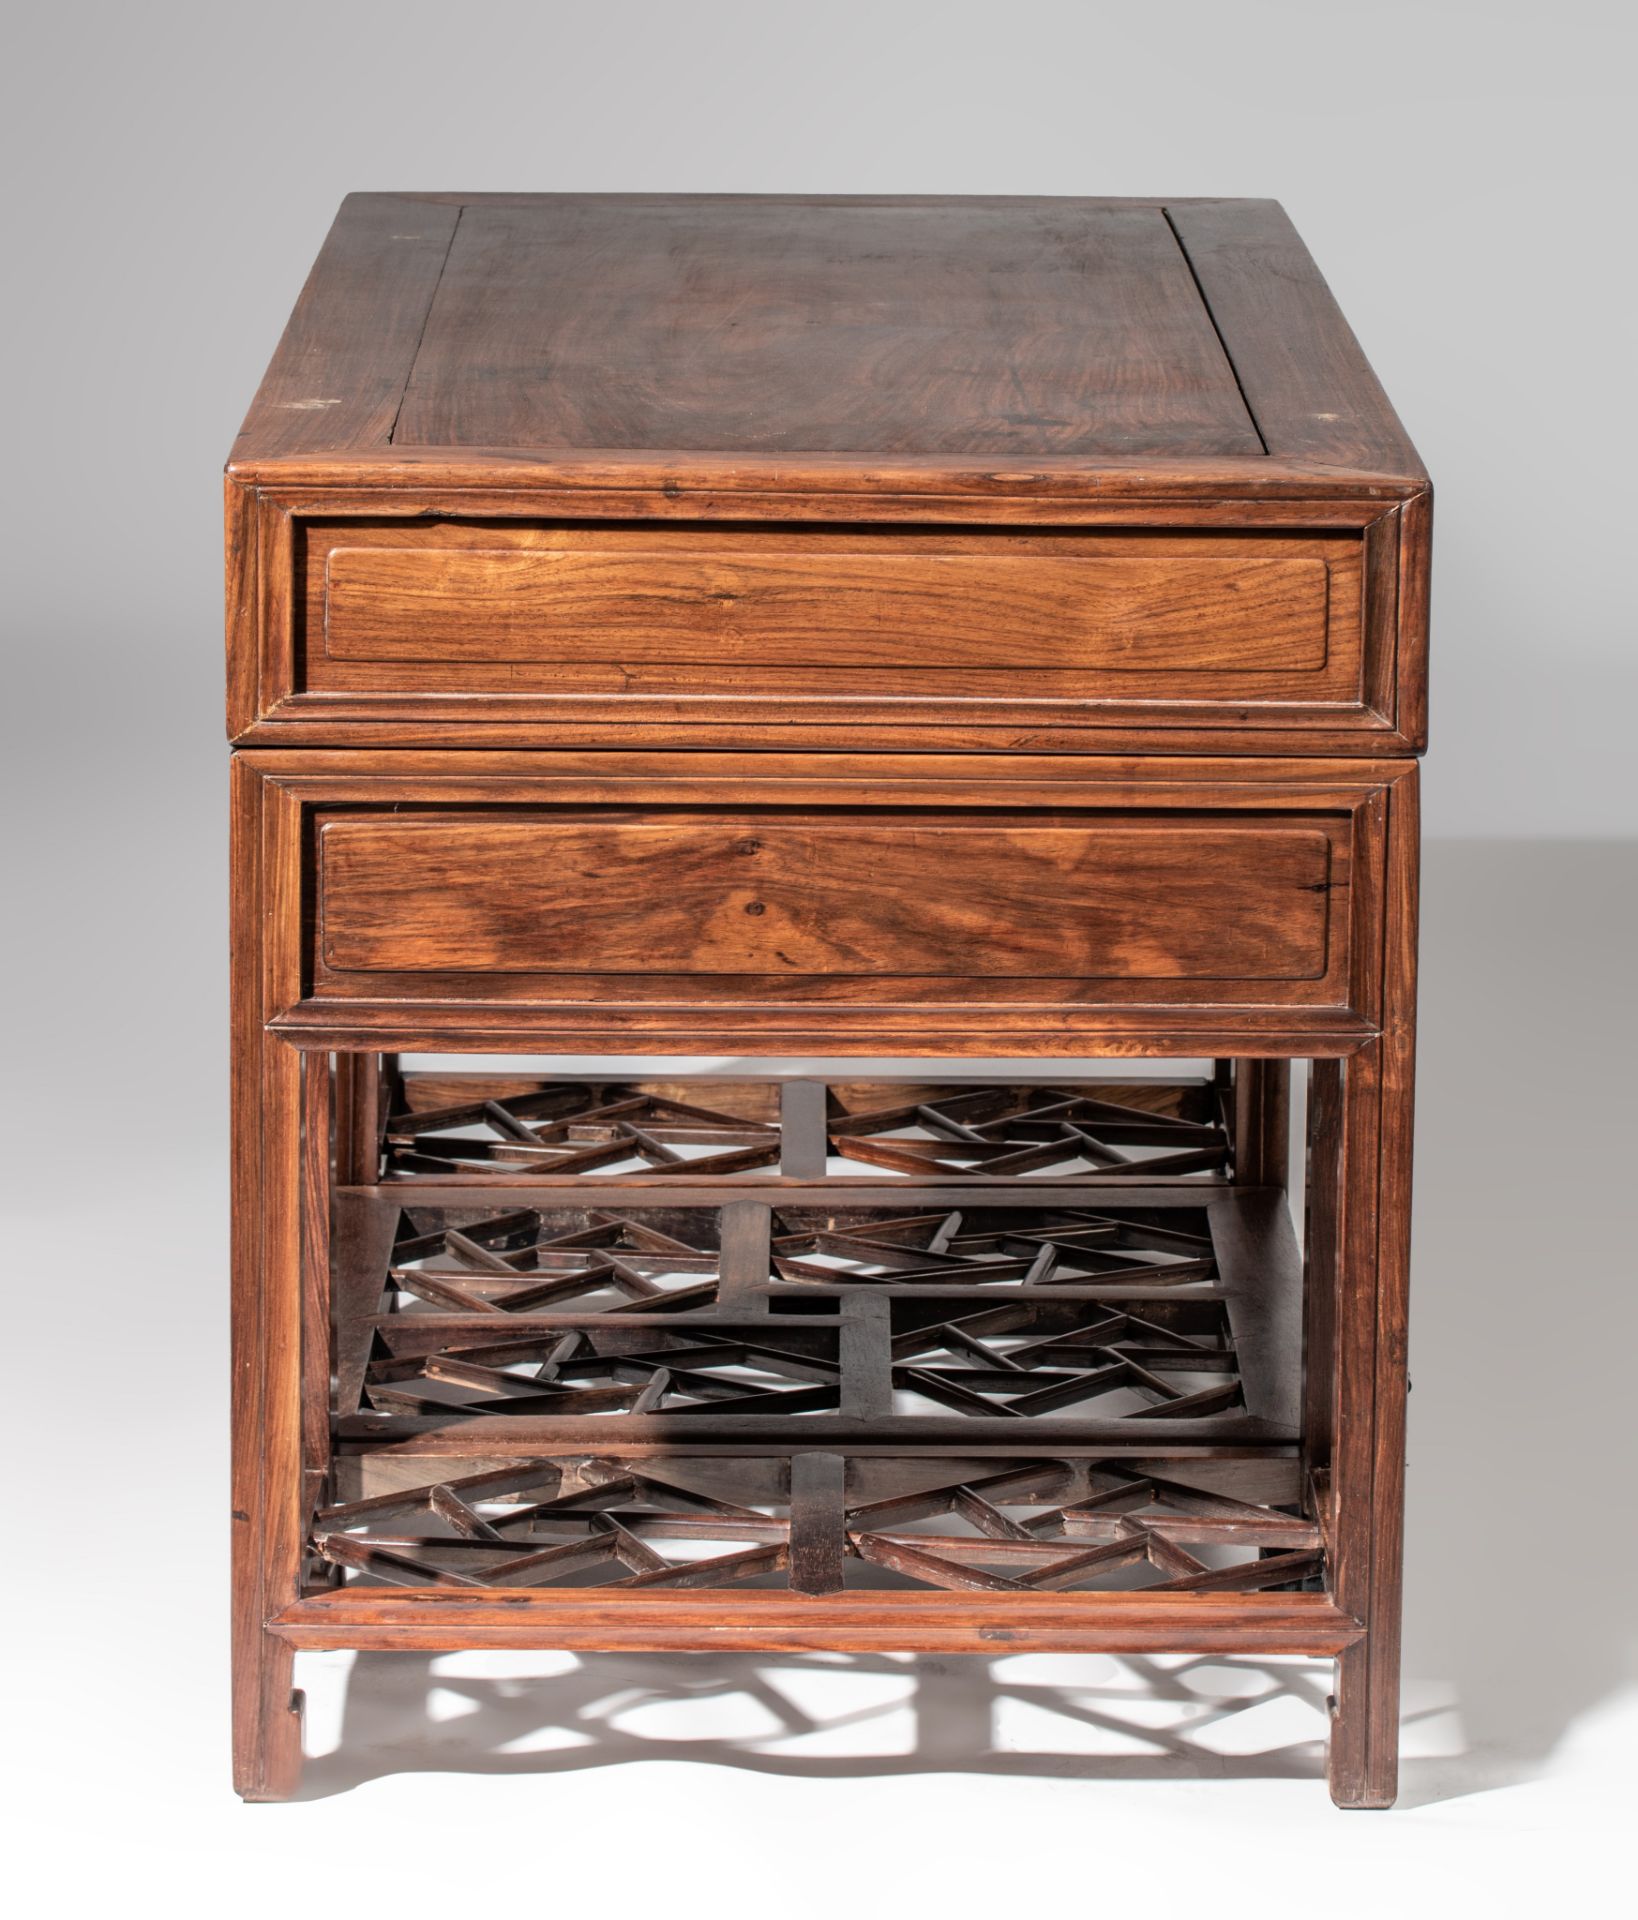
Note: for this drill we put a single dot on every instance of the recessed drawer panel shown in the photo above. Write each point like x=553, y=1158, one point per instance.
x=766, y=634
x=925, y=908
x=1004, y=608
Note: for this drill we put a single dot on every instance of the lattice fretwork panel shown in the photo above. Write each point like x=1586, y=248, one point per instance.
x=814, y=1523
x=573, y=1127
x=1002, y=1132
x=447, y=1126
x=866, y=1316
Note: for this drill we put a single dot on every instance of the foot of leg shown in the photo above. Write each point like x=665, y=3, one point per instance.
x=1363, y=1762
x=266, y=1723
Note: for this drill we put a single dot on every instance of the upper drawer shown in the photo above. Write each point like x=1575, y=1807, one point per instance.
x=512, y=631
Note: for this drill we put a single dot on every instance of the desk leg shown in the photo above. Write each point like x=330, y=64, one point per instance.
x=1370, y=1271
x=266, y=1349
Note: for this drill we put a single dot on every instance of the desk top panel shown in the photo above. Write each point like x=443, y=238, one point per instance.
x=1057, y=332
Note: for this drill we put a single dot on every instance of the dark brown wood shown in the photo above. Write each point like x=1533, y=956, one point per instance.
x=826, y=627
x=1299, y=366
x=745, y=1257
x=362, y=1096
x=337, y=377
x=1046, y=1525
x=319, y=1153
x=1177, y=1308
x=818, y=1522
x=451, y=1126
x=798, y=325
x=1321, y=1256
x=782, y=325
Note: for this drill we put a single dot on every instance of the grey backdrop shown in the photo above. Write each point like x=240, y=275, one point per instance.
x=1456, y=169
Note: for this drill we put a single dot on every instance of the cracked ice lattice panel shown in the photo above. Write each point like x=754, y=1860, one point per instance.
x=820, y=1522
x=867, y=1314
x=457, y=1126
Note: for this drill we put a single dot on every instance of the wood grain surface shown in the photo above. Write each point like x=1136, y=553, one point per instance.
x=774, y=325
x=1055, y=332
x=809, y=607
x=944, y=897
x=465, y=628
x=1295, y=1623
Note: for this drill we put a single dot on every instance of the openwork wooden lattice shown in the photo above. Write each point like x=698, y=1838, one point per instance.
x=696, y=1387
x=1006, y=1362
x=445, y=1126
x=574, y=1372
x=1034, y=1525
x=576, y=1128
x=605, y=1259
x=1007, y=1131
x=745, y=1311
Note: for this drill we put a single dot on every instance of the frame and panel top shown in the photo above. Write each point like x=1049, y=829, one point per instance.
x=1102, y=473
x=1112, y=333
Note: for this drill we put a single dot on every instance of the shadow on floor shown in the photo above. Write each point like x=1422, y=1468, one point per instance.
x=1131, y=1718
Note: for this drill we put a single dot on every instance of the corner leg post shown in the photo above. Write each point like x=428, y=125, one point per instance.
x=1369, y=1383
x=266, y=1474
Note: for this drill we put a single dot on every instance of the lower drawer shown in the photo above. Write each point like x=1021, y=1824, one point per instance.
x=612, y=902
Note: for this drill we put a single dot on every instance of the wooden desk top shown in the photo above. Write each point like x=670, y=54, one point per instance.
x=991, y=342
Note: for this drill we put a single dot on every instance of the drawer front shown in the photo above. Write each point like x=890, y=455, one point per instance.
x=885, y=904
x=821, y=904
x=469, y=631
x=1165, y=907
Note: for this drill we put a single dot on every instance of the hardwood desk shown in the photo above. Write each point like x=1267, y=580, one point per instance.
x=838, y=628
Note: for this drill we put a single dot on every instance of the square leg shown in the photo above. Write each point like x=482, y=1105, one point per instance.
x=267, y=1516
x=1355, y=1403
